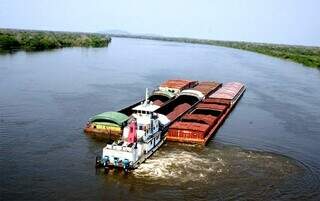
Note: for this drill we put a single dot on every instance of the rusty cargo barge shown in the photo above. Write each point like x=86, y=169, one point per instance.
x=187, y=100
x=109, y=125
x=200, y=123
x=195, y=111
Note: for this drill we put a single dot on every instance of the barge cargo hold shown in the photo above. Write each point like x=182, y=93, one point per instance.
x=187, y=100
x=109, y=125
x=198, y=125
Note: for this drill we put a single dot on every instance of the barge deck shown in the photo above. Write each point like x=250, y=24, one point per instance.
x=187, y=99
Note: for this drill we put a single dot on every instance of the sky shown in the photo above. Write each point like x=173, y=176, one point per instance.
x=271, y=21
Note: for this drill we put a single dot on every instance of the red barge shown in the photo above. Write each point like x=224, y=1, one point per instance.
x=199, y=124
x=187, y=99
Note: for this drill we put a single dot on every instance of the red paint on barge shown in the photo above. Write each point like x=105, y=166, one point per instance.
x=178, y=84
x=198, y=125
x=187, y=99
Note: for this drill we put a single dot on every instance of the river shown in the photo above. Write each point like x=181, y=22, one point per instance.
x=268, y=148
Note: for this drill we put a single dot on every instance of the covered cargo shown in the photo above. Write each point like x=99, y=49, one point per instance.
x=228, y=94
x=198, y=125
x=170, y=89
x=202, y=90
x=107, y=122
x=176, y=86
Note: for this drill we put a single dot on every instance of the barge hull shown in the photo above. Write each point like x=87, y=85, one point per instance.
x=224, y=116
x=197, y=134
x=103, y=134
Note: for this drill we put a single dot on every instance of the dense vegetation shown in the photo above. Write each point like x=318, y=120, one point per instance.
x=42, y=40
x=309, y=56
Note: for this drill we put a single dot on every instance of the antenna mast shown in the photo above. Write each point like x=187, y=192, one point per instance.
x=147, y=96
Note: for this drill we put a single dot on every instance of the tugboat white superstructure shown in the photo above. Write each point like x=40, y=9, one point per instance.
x=140, y=139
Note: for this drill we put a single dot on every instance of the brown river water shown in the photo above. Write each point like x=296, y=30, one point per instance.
x=268, y=148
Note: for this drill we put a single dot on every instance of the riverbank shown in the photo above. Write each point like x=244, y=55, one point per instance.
x=29, y=40
x=308, y=56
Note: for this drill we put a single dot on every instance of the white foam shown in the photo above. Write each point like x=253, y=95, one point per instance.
x=181, y=165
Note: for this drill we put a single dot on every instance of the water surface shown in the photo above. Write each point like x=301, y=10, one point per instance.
x=267, y=148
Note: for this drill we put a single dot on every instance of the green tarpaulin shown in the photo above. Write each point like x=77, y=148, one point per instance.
x=116, y=117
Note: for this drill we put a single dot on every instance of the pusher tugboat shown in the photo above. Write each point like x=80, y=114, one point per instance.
x=142, y=136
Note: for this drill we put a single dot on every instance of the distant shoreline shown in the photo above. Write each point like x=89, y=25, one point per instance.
x=33, y=40
x=37, y=40
x=306, y=55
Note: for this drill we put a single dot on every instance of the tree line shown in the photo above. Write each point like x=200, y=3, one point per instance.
x=11, y=40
